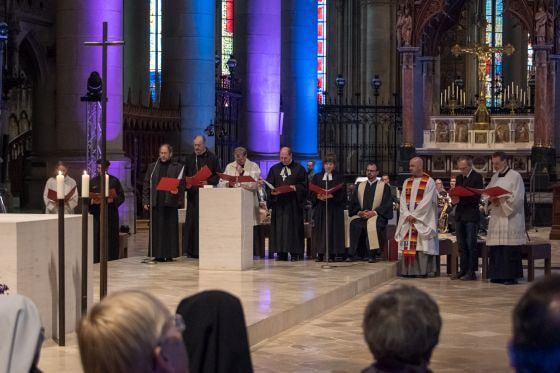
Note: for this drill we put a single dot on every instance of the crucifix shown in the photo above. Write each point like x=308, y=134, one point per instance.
x=483, y=52
x=103, y=226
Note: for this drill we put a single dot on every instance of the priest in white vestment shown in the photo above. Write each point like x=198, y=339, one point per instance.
x=70, y=191
x=416, y=231
x=506, y=227
x=244, y=167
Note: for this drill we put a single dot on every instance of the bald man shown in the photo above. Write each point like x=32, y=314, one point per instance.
x=200, y=157
x=416, y=231
x=287, y=234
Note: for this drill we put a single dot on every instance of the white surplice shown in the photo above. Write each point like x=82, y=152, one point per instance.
x=249, y=169
x=52, y=207
x=425, y=214
x=507, y=219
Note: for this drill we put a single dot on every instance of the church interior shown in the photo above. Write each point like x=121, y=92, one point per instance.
x=379, y=82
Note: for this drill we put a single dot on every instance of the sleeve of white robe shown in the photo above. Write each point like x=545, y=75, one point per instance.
x=402, y=226
x=73, y=201
x=516, y=200
x=50, y=206
x=425, y=219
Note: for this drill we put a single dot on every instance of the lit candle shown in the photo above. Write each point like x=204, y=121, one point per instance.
x=85, y=185
x=106, y=185
x=441, y=99
x=60, y=185
x=464, y=99
x=517, y=92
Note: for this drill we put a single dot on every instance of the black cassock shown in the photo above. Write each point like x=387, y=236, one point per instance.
x=165, y=221
x=192, y=165
x=335, y=210
x=358, y=227
x=112, y=217
x=287, y=235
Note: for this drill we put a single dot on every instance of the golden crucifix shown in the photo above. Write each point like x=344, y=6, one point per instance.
x=483, y=52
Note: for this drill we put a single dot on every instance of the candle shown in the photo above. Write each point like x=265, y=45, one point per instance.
x=441, y=99
x=106, y=185
x=60, y=185
x=517, y=92
x=85, y=185
x=464, y=98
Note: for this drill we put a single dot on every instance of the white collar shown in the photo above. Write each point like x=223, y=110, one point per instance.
x=372, y=182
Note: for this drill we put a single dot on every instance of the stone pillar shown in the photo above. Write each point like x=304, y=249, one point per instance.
x=257, y=50
x=299, y=76
x=188, y=64
x=428, y=69
x=542, y=112
x=136, y=50
x=74, y=63
x=407, y=150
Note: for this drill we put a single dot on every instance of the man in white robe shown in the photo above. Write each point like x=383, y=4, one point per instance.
x=244, y=167
x=70, y=191
x=506, y=228
x=416, y=231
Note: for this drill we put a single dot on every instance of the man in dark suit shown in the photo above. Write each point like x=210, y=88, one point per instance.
x=467, y=218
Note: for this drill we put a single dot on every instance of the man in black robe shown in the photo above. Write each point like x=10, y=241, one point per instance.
x=112, y=213
x=164, y=218
x=328, y=211
x=287, y=235
x=371, y=207
x=200, y=157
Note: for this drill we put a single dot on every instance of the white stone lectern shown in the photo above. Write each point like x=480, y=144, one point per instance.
x=226, y=229
x=29, y=264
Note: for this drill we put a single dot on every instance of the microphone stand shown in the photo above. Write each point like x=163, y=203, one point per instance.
x=149, y=259
x=327, y=265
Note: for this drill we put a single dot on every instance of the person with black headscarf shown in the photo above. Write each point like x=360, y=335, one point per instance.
x=215, y=334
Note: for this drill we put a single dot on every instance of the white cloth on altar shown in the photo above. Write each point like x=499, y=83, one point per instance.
x=249, y=169
x=425, y=214
x=507, y=219
x=52, y=207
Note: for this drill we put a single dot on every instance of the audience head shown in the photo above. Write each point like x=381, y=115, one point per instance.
x=329, y=162
x=499, y=160
x=402, y=326
x=199, y=144
x=464, y=164
x=535, y=346
x=22, y=335
x=165, y=152
x=240, y=155
x=310, y=166
x=131, y=331
x=386, y=179
x=452, y=183
x=439, y=185
x=99, y=162
x=60, y=167
x=285, y=156
x=215, y=336
x=371, y=171
x=416, y=166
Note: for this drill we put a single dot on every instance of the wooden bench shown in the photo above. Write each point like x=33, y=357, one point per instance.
x=531, y=251
x=262, y=231
x=450, y=250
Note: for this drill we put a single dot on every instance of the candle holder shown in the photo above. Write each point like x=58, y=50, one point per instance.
x=85, y=210
x=513, y=104
x=61, y=279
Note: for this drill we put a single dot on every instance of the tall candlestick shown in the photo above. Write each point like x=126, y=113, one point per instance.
x=441, y=99
x=85, y=185
x=106, y=185
x=60, y=185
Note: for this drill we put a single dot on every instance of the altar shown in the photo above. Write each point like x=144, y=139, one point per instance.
x=29, y=264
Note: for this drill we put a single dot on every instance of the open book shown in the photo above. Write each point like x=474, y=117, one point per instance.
x=282, y=189
x=202, y=175
x=52, y=195
x=237, y=179
x=461, y=191
x=318, y=190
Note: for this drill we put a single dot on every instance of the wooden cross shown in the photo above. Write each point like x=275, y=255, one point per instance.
x=103, y=228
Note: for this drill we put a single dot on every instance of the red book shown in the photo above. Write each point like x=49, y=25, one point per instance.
x=461, y=191
x=96, y=197
x=202, y=175
x=318, y=190
x=283, y=189
x=168, y=184
x=237, y=179
x=491, y=192
x=53, y=196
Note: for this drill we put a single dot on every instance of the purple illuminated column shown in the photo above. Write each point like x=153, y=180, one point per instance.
x=77, y=22
x=257, y=50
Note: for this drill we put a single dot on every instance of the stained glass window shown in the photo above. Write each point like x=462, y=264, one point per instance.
x=227, y=33
x=155, y=49
x=530, y=52
x=321, y=50
x=493, y=35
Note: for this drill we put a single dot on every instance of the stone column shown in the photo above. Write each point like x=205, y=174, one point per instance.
x=188, y=61
x=74, y=63
x=428, y=69
x=542, y=112
x=136, y=50
x=299, y=76
x=407, y=150
x=257, y=49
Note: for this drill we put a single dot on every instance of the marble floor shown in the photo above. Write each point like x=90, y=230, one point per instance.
x=302, y=318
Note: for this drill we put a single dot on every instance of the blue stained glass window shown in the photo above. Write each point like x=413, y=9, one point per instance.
x=321, y=50
x=494, y=33
x=155, y=49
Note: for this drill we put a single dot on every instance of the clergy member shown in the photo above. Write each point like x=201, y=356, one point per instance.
x=287, y=234
x=371, y=207
x=70, y=191
x=165, y=221
x=506, y=228
x=200, y=157
x=328, y=211
x=416, y=231
x=112, y=213
x=244, y=167
x=467, y=217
